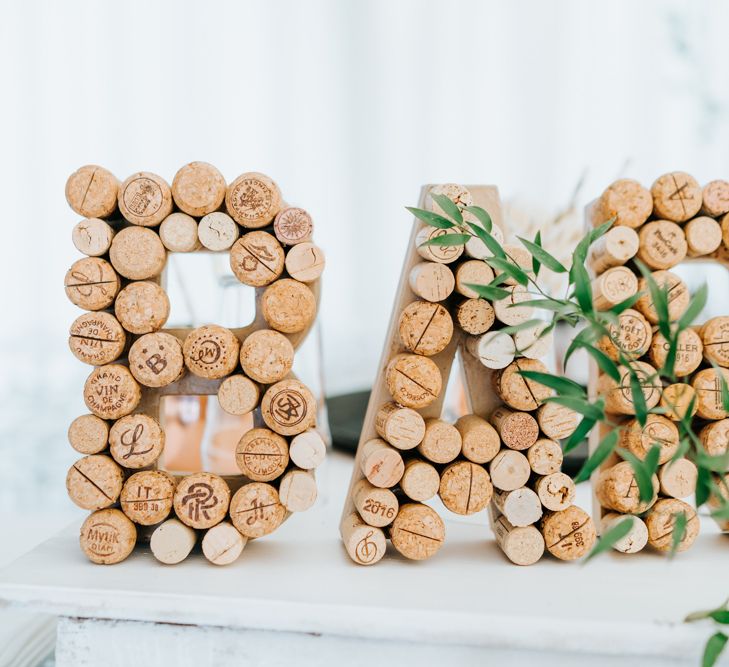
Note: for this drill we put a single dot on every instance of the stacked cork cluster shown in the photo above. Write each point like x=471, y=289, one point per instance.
x=676, y=219
x=126, y=234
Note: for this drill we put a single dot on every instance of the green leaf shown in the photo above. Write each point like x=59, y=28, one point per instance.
x=608, y=539
x=643, y=470
x=536, y=264
x=636, y=391
x=723, y=385
x=703, y=486
x=524, y=325
x=605, y=363
x=448, y=207
x=604, y=449
x=562, y=385
x=583, y=289
x=489, y=292
x=580, y=433
x=722, y=513
x=670, y=362
x=556, y=305
x=626, y=303
x=579, y=256
x=430, y=218
x=720, y=616
x=714, y=648
x=510, y=269
x=698, y=301
x=601, y=230
x=489, y=241
x=594, y=411
x=543, y=256
x=483, y=217
x=659, y=297
x=679, y=531
x=447, y=240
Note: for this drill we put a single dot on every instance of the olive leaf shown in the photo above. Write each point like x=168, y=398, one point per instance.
x=430, y=218
x=643, y=470
x=605, y=363
x=604, y=449
x=482, y=215
x=611, y=537
x=542, y=256
x=510, y=269
x=703, y=486
x=713, y=649
x=447, y=240
x=580, y=433
x=448, y=207
x=594, y=411
x=582, y=287
x=698, y=301
x=562, y=385
x=679, y=531
x=489, y=292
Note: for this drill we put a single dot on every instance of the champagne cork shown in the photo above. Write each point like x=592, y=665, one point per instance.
x=631, y=335
x=458, y=194
x=111, y=392
x=472, y=272
x=725, y=230
x=146, y=497
x=402, y=427
x=509, y=470
x=545, y=457
x=288, y=306
x=91, y=283
x=636, y=538
x=441, y=442
x=381, y=464
x=257, y=259
x=425, y=328
x=262, y=455
x=519, y=256
x=677, y=478
x=88, y=434
x=156, y=359
x=703, y=236
x=517, y=430
x=678, y=296
x=676, y=400
x=223, y=544
x=521, y=507
x=94, y=482
x=662, y=244
x=436, y=253
x=201, y=500
x=145, y=199
x=137, y=253
x=142, y=307
x=556, y=491
x=420, y=481
x=714, y=437
x=465, y=488
x=617, y=489
x=475, y=316
x=613, y=286
x=707, y=385
x=715, y=337
x=288, y=407
x=107, y=537
x=91, y=191
x=689, y=352
x=136, y=441
x=507, y=309
x=96, y=338
x=305, y=262
x=413, y=381
x=480, y=441
x=266, y=356
x=92, y=237
x=521, y=545
x=432, y=281
x=297, y=490
x=292, y=226
x=569, y=534
x=211, y=351
x=217, y=231
x=256, y=509
x=715, y=198
x=614, y=248
x=625, y=200
x=253, y=200
x=198, y=188
x=365, y=545
x=178, y=233
x=417, y=532
x=307, y=450
x=378, y=507
x=662, y=519
x=172, y=542
x=557, y=421
x=676, y=196
x=658, y=430
x=494, y=349
x=534, y=342
x=477, y=249
x=517, y=391
x=238, y=395
x=619, y=396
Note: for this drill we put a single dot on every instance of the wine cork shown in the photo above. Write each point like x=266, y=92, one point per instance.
x=718, y=499
x=292, y=226
x=507, y=309
x=475, y=316
x=715, y=198
x=557, y=421
x=198, y=188
x=517, y=430
x=305, y=262
x=420, y=481
x=441, y=442
x=91, y=283
x=678, y=296
x=568, y=534
x=658, y=430
x=703, y=236
x=432, y=281
x=156, y=359
x=509, y=470
x=662, y=519
x=480, y=441
x=96, y=338
x=253, y=200
x=619, y=395
x=472, y=272
x=634, y=540
x=381, y=464
x=288, y=407
x=676, y=400
x=262, y=455
x=94, y=482
x=211, y=351
x=494, y=349
x=223, y=544
x=288, y=306
x=465, y=488
x=217, y=231
x=136, y=441
x=417, y=532
x=402, y=427
x=92, y=191
x=307, y=450
x=677, y=478
x=519, y=256
x=137, y=253
x=631, y=335
x=662, y=244
x=613, y=286
x=556, y=491
x=378, y=507
x=689, y=352
x=92, y=237
x=714, y=437
x=545, y=457
x=111, y=392
x=715, y=338
x=534, y=342
x=614, y=248
x=267, y=356
x=413, y=381
x=707, y=384
x=107, y=537
x=521, y=507
x=477, y=249
x=517, y=391
x=436, y=253
x=142, y=307
x=238, y=395
x=297, y=490
x=521, y=545
x=676, y=196
x=365, y=545
x=425, y=328
x=88, y=434
x=145, y=199
x=458, y=194
x=625, y=200
x=172, y=542
x=146, y=497
x=201, y=500
x=257, y=259
x=256, y=509
x=617, y=489
x=178, y=233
